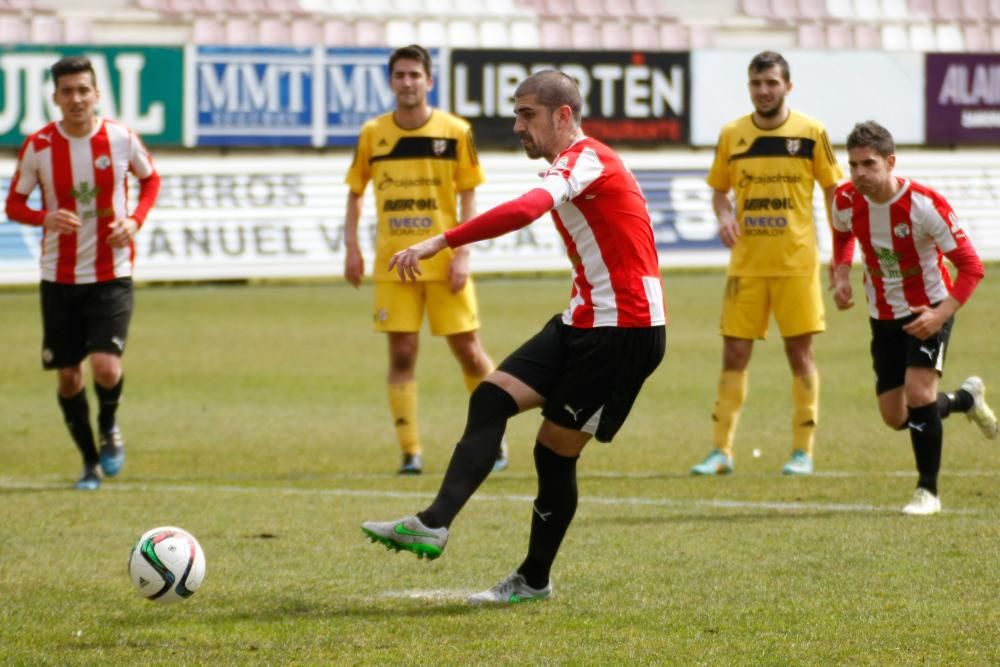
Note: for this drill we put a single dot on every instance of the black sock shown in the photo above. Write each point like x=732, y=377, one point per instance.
x=489, y=409
x=551, y=513
x=108, y=400
x=926, y=435
x=76, y=414
x=958, y=401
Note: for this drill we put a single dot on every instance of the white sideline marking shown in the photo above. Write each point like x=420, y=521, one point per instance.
x=9, y=483
x=432, y=595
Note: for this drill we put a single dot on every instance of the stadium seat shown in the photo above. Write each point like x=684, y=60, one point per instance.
x=239, y=30
x=493, y=33
x=812, y=9
x=621, y=9
x=337, y=32
x=920, y=9
x=524, y=34
x=273, y=31
x=305, y=32
x=700, y=37
x=343, y=8
x=948, y=37
x=644, y=36
x=974, y=10
x=947, y=10
x=206, y=30
x=13, y=28
x=993, y=9
x=840, y=9
x=995, y=37
x=674, y=36
x=558, y=8
x=654, y=9
x=46, y=29
x=179, y=6
x=839, y=36
x=369, y=32
x=399, y=31
x=785, y=10
x=463, y=33
x=212, y=7
x=592, y=9
x=758, y=9
x=866, y=10
x=430, y=33
x=922, y=37
x=78, y=30
x=867, y=36
x=555, y=35
x=615, y=36
x=977, y=38
x=811, y=36
x=895, y=38
x=584, y=34
x=895, y=10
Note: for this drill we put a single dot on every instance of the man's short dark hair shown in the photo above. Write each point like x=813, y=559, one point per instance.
x=412, y=52
x=553, y=89
x=873, y=135
x=767, y=59
x=72, y=65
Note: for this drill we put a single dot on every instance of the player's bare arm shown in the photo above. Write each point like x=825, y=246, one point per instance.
x=407, y=262
x=122, y=232
x=354, y=262
x=62, y=221
x=930, y=319
x=725, y=213
x=460, y=267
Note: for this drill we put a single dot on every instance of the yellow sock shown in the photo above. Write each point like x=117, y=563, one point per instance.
x=728, y=403
x=472, y=381
x=805, y=399
x=403, y=405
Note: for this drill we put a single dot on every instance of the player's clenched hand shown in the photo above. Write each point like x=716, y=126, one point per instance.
x=840, y=283
x=458, y=271
x=61, y=222
x=406, y=262
x=122, y=232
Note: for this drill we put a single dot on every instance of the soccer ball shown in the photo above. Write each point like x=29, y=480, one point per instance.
x=167, y=564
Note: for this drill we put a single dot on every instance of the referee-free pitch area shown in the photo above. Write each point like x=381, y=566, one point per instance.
x=255, y=418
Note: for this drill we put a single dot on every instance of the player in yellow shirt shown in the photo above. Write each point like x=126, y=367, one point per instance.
x=422, y=161
x=771, y=160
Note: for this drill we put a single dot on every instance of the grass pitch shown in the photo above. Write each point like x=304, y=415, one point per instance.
x=256, y=419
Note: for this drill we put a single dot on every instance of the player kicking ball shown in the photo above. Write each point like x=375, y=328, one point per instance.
x=905, y=230
x=585, y=367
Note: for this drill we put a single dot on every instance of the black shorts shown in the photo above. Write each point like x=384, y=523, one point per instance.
x=588, y=377
x=893, y=351
x=80, y=319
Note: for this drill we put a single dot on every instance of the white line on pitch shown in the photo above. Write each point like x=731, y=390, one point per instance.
x=12, y=484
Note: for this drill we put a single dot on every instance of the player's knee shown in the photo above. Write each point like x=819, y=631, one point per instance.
x=488, y=402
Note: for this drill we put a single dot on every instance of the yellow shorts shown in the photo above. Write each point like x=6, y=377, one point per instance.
x=796, y=301
x=399, y=307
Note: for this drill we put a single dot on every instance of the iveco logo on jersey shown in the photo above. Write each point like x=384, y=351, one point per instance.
x=399, y=225
x=765, y=204
x=765, y=226
x=410, y=205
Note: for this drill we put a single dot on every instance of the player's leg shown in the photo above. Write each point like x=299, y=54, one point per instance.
x=108, y=316
x=969, y=398
x=745, y=312
x=798, y=310
x=926, y=437
x=63, y=350
x=398, y=313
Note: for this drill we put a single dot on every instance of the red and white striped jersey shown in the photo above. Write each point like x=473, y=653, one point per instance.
x=902, y=242
x=86, y=175
x=602, y=217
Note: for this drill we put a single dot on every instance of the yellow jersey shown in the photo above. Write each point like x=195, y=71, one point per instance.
x=772, y=173
x=417, y=175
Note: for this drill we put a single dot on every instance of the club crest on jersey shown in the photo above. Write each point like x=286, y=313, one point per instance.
x=901, y=231
x=102, y=162
x=793, y=145
x=439, y=146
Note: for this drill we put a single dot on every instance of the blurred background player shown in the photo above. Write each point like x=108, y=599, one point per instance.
x=905, y=229
x=422, y=160
x=81, y=164
x=586, y=366
x=770, y=159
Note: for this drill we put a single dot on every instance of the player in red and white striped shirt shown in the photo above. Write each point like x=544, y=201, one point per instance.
x=905, y=230
x=586, y=366
x=81, y=164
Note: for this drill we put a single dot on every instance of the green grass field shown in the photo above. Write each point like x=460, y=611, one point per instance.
x=256, y=419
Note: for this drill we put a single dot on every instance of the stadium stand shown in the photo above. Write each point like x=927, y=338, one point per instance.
x=921, y=25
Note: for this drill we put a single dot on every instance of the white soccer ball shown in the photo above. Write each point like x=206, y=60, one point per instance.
x=166, y=564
